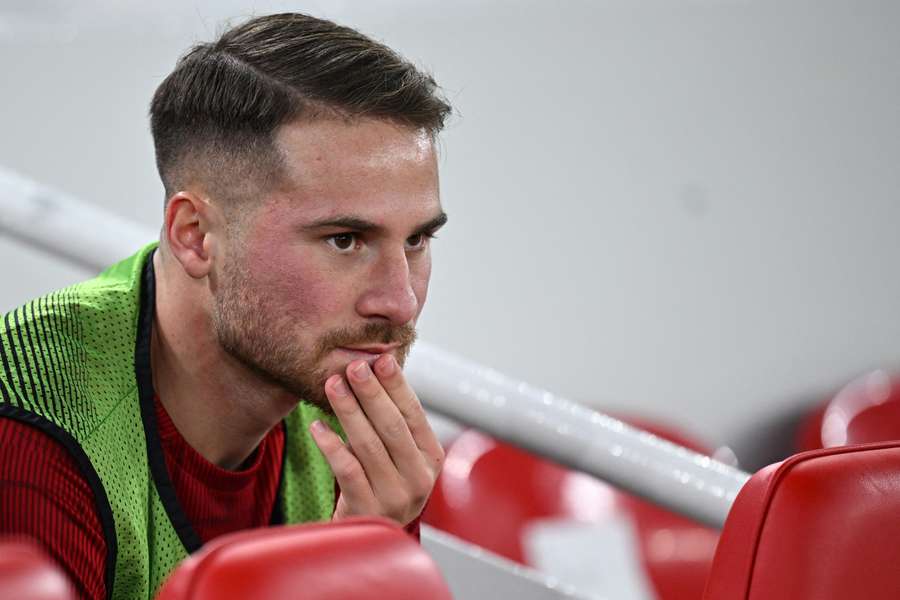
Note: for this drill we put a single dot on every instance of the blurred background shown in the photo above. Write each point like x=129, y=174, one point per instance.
x=681, y=209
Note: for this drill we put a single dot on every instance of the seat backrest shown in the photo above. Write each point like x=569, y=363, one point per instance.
x=360, y=559
x=821, y=525
x=28, y=573
x=865, y=410
x=483, y=476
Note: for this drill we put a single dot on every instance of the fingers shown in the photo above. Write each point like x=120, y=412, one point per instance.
x=347, y=470
x=386, y=419
x=362, y=437
x=392, y=457
x=406, y=401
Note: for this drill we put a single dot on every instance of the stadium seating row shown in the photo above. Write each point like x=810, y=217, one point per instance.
x=677, y=554
x=352, y=559
x=819, y=525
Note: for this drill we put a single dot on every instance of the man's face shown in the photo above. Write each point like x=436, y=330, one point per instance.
x=334, y=265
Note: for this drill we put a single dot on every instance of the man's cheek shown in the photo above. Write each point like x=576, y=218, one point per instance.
x=420, y=289
x=308, y=296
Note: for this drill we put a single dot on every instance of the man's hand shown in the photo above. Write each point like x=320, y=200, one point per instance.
x=392, y=458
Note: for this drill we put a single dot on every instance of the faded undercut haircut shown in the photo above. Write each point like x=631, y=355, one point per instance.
x=215, y=117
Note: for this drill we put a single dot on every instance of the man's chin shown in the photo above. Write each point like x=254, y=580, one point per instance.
x=333, y=363
x=309, y=387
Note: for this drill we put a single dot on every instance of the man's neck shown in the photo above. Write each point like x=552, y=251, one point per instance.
x=222, y=409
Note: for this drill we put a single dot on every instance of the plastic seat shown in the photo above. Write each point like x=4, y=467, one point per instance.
x=353, y=559
x=490, y=493
x=865, y=410
x=28, y=573
x=821, y=525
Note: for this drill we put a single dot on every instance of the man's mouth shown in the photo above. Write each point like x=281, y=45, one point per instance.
x=372, y=348
x=368, y=352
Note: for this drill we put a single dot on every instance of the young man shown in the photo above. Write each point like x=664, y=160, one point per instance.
x=149, y=410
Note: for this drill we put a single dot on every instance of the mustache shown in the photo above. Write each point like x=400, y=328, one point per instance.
x=370, y=333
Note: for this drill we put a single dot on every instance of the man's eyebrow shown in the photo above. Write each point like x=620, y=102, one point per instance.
x=354, y=223
x=432, y=225
x=363, y=226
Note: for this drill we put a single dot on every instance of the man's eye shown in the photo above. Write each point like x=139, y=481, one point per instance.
x=343, y=242
x=418, y=241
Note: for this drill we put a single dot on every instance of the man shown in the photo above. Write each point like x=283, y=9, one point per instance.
x=149, y=410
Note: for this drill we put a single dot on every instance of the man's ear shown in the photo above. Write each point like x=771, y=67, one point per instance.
x=190, y=232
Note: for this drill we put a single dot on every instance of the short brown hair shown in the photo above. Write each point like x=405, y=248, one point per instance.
x=216, y=115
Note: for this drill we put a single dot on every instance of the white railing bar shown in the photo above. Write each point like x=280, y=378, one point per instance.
x=509, y=409
x=66, y=227
x=574, y=435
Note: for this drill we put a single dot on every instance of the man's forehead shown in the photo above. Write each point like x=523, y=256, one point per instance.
x=368, y=169
x=327, y=147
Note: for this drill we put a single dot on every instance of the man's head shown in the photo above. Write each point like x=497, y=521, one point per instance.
x=215, y=117
x=301, y=181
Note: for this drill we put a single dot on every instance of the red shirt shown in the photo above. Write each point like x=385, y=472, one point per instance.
x=44, y=495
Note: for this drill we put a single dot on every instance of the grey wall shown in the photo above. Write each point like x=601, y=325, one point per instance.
x=686, y=209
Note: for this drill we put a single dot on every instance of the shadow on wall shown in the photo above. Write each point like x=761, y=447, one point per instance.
x=775, y=438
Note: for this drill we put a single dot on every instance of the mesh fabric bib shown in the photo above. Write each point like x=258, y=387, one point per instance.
x=76, y=365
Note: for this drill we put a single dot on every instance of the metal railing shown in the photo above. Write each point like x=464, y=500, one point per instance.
x=509, y=409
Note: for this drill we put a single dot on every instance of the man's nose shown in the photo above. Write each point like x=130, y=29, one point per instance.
x=389, y=294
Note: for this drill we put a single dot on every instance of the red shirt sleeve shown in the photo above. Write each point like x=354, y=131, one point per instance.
x=43, y=495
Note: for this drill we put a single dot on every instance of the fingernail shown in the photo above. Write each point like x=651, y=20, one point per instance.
x=387, y=365
x=317, y=426
x=362, y=371
x=339, y=387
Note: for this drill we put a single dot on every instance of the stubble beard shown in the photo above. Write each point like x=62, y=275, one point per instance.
x=265, y=340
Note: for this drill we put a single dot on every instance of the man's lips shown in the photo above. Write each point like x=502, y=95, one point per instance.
x=371, y=348
x=367, y=353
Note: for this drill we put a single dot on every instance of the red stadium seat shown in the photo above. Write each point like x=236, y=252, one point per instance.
x=866, y=410
x=353, y=559
x=28, y=573
x=490, y=492
x=821, y=525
